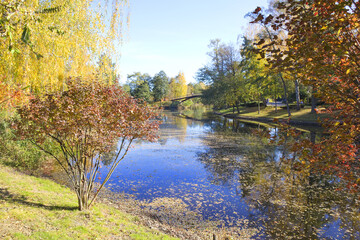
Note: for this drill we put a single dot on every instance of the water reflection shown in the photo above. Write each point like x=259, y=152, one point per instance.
x=222, y=171
x=291, y=202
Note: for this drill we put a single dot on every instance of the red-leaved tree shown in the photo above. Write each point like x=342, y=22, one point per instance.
x=323, y=47
x=85, y=122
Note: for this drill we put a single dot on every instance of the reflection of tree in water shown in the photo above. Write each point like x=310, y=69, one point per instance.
x=175, y=126
x=294, y=203
x=172, y=127
x=226, y=154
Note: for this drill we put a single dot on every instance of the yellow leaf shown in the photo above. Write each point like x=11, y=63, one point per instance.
x=348, y=71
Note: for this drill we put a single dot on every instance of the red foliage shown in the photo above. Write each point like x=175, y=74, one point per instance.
x=86, y=121
x=11, y=96
x=323, y=47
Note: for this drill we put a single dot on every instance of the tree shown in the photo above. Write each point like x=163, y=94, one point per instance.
x=222, y=75
x=10, y=96
x=172, y=88
x=323, y=48
x=85, y=121
x=267, y=38
x=160, y=84
x=44, y=42
x=106, y=70
x=181, y=87
x=142, y=92
x=257, y=74
x=140, y=86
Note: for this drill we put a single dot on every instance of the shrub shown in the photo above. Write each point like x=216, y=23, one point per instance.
x=85, y=122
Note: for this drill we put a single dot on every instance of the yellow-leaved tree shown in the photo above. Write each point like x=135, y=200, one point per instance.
x=180, y=85
x=44, y=42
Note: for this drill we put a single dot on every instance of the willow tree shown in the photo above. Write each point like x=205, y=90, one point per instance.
x=43, y=42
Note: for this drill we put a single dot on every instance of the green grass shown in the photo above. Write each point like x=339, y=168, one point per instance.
x=269, y=112
x=35, y=208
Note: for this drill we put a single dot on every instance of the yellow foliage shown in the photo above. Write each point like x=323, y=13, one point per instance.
x=181, y=86
x=65, y=38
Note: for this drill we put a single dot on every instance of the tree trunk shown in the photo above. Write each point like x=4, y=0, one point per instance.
x=237, y=107
x=264, y=101
x=313, y=102
x=285, y=95
x=83, y=202
x=297, y=93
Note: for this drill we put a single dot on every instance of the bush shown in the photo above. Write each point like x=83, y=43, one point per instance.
x=187, y=103
x=85, y=122
x=19, y=154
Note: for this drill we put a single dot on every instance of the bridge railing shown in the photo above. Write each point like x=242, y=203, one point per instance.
x=186, y=97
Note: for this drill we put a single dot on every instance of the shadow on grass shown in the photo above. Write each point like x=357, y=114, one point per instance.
x=21, y=199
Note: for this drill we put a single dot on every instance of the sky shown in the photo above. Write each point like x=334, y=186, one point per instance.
x=173, y=36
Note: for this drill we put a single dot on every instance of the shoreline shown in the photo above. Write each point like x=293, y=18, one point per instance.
x=268, y=120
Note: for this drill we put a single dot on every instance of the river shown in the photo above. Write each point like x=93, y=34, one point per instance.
x=217, y=170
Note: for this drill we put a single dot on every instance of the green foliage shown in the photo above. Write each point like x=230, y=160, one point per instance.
x=140, y=86
x=305, y=94
x=174, y=104
x=234, y=76
x=142, y=92
x=187, y=103
x=17, y=153
x=160, y=84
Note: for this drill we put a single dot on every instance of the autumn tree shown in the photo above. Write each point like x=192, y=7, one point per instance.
x=172, y=87
x=180, y=86
x=323, y=47
x=259, y=78
x=85, y=122
x=107, y=70
x=44, y=42
x=11, y=96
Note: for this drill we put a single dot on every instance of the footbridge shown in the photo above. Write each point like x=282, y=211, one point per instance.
x=183, y=99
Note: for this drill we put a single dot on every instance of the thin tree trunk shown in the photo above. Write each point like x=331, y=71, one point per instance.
x=313, y=102
x=285, y=94
x=281, y=77
x=297, y=93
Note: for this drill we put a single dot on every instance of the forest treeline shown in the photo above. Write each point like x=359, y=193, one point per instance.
x=160, y=87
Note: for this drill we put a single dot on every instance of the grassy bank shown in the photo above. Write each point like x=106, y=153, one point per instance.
x=303, y=114
x=36, y=208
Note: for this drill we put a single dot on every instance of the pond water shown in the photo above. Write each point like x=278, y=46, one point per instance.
x=219, y=170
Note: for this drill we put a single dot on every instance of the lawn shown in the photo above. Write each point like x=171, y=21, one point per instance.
x=269, y=112
x=37, y=208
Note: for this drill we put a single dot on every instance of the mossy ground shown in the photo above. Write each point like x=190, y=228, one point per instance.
x=36, y=208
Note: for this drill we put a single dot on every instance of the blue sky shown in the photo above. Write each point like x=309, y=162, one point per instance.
x=173, y=36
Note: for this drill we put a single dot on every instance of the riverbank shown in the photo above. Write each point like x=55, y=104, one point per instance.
x=37, y=208
x=302, y=117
